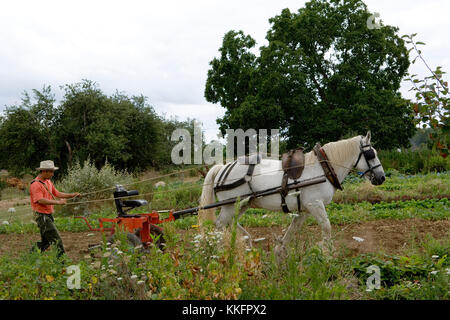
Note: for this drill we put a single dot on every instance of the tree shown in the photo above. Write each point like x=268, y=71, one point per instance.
x=27, y=132
x=322, y=75
x=87, y=124
x=125, y=131
x=432, y=103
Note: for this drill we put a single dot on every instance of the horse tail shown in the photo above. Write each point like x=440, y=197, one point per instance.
x=208, y=195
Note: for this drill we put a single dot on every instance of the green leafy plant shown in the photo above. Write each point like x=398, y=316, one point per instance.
x=431, y=106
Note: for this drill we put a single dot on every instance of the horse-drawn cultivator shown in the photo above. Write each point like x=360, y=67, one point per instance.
x=143, y=228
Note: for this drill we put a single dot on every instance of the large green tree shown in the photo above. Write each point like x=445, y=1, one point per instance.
x=26, y=132
x=87, y=123
x=124, y=130
x=323, y=75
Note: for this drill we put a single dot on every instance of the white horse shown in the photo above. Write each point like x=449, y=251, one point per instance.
x=343, y=155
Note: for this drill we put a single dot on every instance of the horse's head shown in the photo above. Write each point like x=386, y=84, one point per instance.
x=368, y=163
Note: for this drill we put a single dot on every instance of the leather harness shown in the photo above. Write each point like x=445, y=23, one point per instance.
x=327, y=168
x=245, y=179
x=293, y=165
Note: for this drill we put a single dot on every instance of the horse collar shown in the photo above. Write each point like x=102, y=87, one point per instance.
x=327, y=168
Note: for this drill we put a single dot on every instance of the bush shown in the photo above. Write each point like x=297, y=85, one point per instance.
x=408, y=161
x=88, y=179
x=437, y=164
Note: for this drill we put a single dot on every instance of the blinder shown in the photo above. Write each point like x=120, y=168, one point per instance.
x=368, y=155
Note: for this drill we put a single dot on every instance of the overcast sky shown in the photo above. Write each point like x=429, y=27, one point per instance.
x=162, y=49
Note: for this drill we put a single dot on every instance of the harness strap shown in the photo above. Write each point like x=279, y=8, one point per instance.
x=327, y=168
x=246, y=179
x=284, y=193
x=45, y=186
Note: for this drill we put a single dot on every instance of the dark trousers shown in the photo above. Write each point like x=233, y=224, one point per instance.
x=49, y=233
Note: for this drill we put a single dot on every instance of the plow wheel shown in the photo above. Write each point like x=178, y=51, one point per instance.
x=133, y=240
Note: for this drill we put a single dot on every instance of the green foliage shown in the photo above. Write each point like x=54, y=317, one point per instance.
x=321, y=63
x=26, y=132
x=87, y=178
x=432, y=103
x=307, y=274
x=412, y=161
x=87, y=123
x=437, y=164
x=421, y=275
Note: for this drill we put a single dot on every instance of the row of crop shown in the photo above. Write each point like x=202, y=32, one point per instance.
x=430, y=209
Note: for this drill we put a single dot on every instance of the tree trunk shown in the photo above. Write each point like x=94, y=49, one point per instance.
x=70, y=153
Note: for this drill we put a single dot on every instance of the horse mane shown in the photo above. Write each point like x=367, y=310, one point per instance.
x=337, y=151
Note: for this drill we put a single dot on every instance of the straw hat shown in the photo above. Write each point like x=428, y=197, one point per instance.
x=47, y=165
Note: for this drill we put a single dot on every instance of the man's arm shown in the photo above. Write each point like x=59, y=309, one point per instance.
x=48, y=201
x=64, y=195
x=68, y=195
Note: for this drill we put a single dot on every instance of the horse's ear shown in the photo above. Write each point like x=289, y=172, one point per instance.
x=368, y=136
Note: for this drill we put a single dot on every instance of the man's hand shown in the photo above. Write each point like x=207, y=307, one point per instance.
x=76, y=194
x=62, y=201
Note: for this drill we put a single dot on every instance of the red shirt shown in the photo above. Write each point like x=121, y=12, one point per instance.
x=38, y=192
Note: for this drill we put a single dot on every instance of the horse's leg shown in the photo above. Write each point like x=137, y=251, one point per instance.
x=226, y=216
x=294, y=228
x=317, y=210
x=241, y=228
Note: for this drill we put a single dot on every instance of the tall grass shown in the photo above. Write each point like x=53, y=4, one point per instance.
x=410, y=162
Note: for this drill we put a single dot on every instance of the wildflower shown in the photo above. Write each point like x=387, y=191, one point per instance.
x=119, y=279
x=358, y=239
x=140, y=282
x=133, y=276
x=11, y=210
x=112, y=271
x=108, y=249
x=5, y=223
x=434, y=257
x=434, y=272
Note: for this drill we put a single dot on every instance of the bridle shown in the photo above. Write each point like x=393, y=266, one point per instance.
x=368, y=155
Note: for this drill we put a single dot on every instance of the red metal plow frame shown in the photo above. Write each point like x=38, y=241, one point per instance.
x=142, y=221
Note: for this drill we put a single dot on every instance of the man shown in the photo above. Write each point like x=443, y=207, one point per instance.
x=43, y=196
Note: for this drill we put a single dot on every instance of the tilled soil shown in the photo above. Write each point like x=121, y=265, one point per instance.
x=389, y=236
